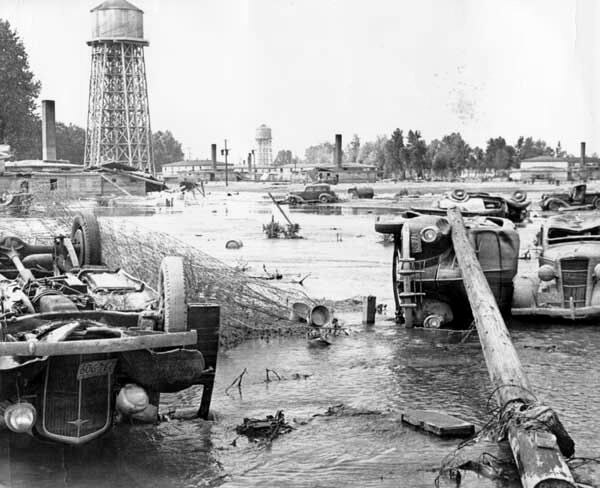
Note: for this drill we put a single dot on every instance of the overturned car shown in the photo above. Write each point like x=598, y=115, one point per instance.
x=82, y=345
x=567, y=282
x=515, y=208
x=427, y=281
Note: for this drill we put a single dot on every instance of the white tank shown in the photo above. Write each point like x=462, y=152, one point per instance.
x=263, y=132
x=117, y=19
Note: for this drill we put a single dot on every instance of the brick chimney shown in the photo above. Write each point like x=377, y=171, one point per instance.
x=48, y=131
x=338, y=151
x=213, y=155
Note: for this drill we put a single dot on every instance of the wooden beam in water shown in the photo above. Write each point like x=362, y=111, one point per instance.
x=533, y=430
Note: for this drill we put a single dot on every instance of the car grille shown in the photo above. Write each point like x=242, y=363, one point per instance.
x=574, y=273
x=75, y=410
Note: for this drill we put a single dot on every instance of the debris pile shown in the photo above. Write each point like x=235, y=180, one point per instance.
x=269, y=428
x=250, y=307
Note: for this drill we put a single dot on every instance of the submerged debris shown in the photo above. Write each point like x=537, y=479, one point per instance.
x=269, y=428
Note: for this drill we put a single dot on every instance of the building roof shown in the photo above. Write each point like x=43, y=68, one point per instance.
x=195, y=162
x=345, y=166
x=116, y=5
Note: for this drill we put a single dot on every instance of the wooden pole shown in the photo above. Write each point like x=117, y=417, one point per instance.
x=532, y=429
x=280, y=209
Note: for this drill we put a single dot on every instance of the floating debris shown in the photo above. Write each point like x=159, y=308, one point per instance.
x=269, y=428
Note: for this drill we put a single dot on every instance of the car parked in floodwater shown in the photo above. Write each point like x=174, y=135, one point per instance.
x=567, y=282
x=426, y=278
x=317, y=193
x=577, y=196
x=82, y=344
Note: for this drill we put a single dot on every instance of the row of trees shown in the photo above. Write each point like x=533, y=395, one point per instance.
x=409, y=155
x=20, y=125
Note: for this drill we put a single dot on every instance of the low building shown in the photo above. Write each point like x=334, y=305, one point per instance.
x=345, y=173
x=542, y=168
x=200, y=169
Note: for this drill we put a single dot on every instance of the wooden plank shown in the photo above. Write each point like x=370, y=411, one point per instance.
x=438, y=423
x=97, y=346
x=537, y=464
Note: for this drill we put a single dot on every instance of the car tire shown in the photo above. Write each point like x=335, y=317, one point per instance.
x=172, y=294
x=293, y=201
x=519, y=196
x=596, y=203
x=459, y=195
x=324, y=199
x=85, y=235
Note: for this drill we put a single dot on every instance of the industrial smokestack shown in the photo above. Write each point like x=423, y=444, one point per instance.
x=338, y=150
x=48, y=131
x=249, y=162
x=213, y=155
x=582, y=153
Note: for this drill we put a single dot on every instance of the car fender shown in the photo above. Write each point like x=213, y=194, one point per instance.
x=546, y=203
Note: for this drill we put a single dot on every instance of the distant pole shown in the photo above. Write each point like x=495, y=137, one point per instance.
x=225, y=152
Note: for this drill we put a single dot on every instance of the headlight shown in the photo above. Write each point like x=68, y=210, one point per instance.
x=429, y=234
x=546, y=272
x=20, y=417
x=132, y=399
x=597, y=272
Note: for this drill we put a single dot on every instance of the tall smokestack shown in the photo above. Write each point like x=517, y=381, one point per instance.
x=249, y=162
x=338, y=150
x=213, y=155
x=582, y=153
x=48, y=131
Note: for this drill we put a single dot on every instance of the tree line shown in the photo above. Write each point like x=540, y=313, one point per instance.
x=408, y=155
x=20, y=124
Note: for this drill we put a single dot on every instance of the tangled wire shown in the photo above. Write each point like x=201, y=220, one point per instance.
x=250, y=307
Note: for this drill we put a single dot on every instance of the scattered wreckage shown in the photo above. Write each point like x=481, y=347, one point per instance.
x=83, y=345
x=577, y=197
x=515, y=208
x=428, y=285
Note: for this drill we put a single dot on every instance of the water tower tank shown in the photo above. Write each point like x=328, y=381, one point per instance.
x=263, y=132
x=117, y=19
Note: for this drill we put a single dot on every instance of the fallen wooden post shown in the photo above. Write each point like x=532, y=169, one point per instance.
x=280, y=209
x=537, y=438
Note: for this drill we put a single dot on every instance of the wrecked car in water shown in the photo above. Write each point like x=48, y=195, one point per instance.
x=83, y=345
x=426, y=278
x=577, y=196
x=318, y=193
x=515, y=208
x=567, y=282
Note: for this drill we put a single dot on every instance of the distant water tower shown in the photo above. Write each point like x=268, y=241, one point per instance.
x=264, y=158
x=118, y=127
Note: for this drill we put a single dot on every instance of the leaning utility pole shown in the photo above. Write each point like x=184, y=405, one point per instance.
x=225, y=152
x=537, y=438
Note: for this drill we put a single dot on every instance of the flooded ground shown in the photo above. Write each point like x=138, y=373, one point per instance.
x=374, y=372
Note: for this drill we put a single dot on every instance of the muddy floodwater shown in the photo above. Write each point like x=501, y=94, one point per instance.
x=369, y=376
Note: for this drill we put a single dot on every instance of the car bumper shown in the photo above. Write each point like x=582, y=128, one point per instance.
x=96, y=346
x=575, y=313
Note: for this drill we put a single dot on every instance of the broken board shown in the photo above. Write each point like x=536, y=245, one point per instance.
x=438, y=423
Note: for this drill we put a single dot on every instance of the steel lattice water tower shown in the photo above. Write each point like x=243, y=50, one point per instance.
x=118, y=127
x=264, y=158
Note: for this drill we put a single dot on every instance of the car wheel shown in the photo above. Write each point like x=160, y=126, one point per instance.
x=596, y=203
x=172, y=294
x=459, y=195
x=554, y=206
x=85, y=236
x=293, y=201
x=519, y=196
x=324, y=199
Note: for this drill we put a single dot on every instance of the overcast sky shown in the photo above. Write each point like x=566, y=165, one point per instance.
x=311, y=68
